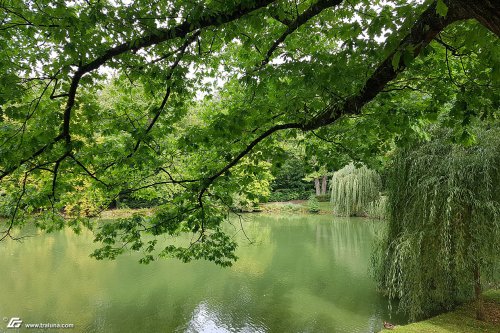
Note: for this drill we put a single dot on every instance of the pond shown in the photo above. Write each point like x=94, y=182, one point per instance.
x=301, y=274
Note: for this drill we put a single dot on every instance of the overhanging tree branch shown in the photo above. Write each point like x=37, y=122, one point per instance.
x=159, y=36
x=423, y=31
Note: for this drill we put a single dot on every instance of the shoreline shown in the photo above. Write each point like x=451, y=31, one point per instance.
x=460, y=320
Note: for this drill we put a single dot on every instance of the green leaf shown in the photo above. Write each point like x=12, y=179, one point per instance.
x=441, y=8
x=395, y=60
x=408, y=57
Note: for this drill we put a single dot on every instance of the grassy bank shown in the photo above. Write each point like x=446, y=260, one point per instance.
x=296, y=206
x=462, y=320
x=287, y=207
x=124, y=213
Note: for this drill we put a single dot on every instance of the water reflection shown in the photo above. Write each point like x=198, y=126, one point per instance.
x=301, y=274
x=209, y=320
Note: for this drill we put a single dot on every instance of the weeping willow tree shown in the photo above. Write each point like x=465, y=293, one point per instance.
x=443, y=237
x=355, y=190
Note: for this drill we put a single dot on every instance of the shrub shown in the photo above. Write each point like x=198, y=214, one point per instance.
x=287, y=195
x=313, y=204
x=323, y=197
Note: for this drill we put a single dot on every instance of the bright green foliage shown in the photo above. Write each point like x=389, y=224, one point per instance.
x=355, y=190
x=254, y=186
x=444, y=221
x=313, y=204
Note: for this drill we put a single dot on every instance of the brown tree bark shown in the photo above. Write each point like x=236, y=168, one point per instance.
x=323, y=185
x=486, y=12
x=478, y=293
x=317, y=186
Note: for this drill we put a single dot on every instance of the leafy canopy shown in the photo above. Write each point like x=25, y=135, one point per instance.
x=184, y=101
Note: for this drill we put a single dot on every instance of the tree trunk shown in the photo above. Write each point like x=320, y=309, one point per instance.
x=323, y=185
x=478, y=294
x=316, y=185
x=486, y=12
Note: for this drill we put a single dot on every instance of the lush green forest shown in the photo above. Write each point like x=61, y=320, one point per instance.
x=201, y=109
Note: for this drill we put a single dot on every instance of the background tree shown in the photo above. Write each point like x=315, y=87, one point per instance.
x=354, y=189
x=289, y=183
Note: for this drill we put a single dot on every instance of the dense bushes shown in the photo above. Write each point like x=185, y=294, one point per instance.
x=289, y=183
x=288, y=195
x=313, y=204
x=127, y=201
x=323, y=197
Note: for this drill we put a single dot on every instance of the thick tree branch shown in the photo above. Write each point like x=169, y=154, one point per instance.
x=486, y=12
x=245, y=151
x=423, y=31
x=308, y=14
x=179, y=31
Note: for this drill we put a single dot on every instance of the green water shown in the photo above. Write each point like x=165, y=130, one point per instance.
x=301, y=274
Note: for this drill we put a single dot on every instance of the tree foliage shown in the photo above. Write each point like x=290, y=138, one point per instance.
x=313, y=204
x=162, y=100
x=443, y=237
x=355, y=190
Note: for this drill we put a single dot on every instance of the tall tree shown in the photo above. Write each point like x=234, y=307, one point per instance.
x=354, y=189
x=443, y=239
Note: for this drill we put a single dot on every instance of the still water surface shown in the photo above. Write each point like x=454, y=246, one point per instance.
x=301, y=274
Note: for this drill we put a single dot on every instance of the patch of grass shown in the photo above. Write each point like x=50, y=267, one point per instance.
x=283, y=207
x=124, y=213
x=492, y=295
x=297, y=206
x=292, y=207
x=325, y=207
x=461, y=320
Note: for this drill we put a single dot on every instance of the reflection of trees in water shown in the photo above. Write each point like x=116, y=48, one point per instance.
x=303, y=272
x=48, y=273
x=328, y=262
x=320, y=270
x=255, y=246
